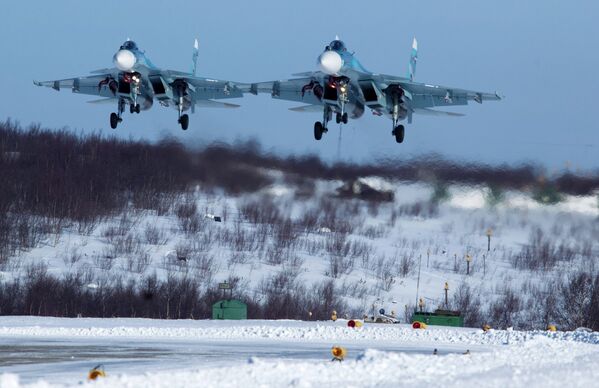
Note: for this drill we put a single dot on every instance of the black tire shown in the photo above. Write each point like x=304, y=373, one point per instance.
x=184, y=120
x=344, y=118
x=399, y=133
x=137, y=108
x=338, y=118
x=131, y=108
x=318, y=130
x=114, y=120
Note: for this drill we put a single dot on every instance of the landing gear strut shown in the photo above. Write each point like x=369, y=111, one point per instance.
x=181, y=87
x=115, y=118
x=183, y=118
x=398, y=130
x=321, y=127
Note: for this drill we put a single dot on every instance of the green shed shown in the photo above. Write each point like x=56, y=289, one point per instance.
x=229, y=309
x=440, y=318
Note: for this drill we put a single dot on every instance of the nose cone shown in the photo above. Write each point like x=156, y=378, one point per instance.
x=124, y=60
x=330, y=62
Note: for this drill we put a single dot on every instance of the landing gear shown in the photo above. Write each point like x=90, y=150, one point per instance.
x=134, y=108
x=399, y=133
x=184, y=121
x=318, y=130
x=398, y=129
x=321, y=127
x=115, y=118
x=180, y=87
x=341, y=118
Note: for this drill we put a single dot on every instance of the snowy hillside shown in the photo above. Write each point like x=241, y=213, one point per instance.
x=291, y=237
x=372, y=251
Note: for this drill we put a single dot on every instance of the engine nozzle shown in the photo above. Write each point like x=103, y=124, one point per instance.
x=330, y=62
x=124, y=60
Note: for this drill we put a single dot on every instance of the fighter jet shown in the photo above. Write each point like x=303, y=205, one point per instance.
x=136, y=82
x=343, y=87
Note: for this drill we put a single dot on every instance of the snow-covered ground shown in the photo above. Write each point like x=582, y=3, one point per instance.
x=386, y=246
x=58, y=352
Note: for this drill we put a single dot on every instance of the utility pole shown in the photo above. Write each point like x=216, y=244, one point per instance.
x=489, y=234
x=428, y=255
x=455, y=262
x=446, y=301
x=418, y=281
x=484, y=265
x=468, y=260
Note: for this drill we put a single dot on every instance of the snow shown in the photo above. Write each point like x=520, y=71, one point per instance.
x=294, y=353
x=440, y=241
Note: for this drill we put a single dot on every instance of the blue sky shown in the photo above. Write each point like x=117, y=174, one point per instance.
x=542, y=55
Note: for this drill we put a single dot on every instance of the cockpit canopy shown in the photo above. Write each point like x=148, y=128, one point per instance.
x=129, y=45
x=337, y=45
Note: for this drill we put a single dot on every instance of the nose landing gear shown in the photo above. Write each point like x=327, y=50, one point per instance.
x=341, y=118
x=134, y=108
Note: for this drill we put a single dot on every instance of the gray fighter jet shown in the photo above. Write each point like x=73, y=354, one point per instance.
x=345, y=88
x=136, y=82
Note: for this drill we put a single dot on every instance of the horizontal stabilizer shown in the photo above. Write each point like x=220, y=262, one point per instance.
x=432, y=112
x=105, y=71
x=109, y=100
x=304, y=74
x=307, y=108
x=215, y=104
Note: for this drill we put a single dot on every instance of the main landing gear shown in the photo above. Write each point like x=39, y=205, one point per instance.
x=398, y=129
x=183, y=118
x=184, y=121
x=115, y=118
x=399, y=132
x=321, y=127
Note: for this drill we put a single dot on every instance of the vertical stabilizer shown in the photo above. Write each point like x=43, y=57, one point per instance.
x=194, y=58
x=413, y=60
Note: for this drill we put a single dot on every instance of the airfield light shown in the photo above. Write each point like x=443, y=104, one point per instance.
x=338, y=353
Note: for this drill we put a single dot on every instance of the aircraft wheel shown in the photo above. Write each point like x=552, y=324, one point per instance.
x=131, y=108
x=338, y=118
x=344, y=118
x=399, y=133
x=137, y=108
x=114, y=120
x=318, y=130
x=184, y=121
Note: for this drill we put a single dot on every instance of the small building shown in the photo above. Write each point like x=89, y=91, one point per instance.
x=229, y=309
x=440, y=318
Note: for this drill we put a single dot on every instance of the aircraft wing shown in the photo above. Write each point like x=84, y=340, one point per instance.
x=215, y=104
x=94, y=85
x=205, y=88
x=428, y=96
x=432, y=112
x=297, y=89
x=307, y=108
